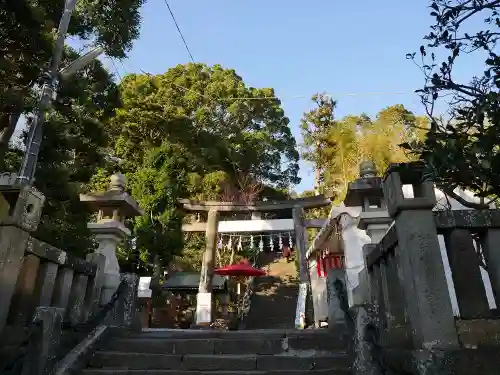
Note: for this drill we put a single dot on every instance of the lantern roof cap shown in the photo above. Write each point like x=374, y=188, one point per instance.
x=366, y=186
x=114, y=197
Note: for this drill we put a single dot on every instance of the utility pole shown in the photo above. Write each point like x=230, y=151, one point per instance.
x=48, y=94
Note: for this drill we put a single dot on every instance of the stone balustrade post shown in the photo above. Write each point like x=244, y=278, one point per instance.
x=20, y=209
x=420, y=266
x=45, y=339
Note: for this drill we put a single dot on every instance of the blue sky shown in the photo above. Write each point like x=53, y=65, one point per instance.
x=297, y=47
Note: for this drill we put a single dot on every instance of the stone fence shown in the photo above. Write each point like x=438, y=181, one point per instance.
x=48, y=298
x=406, y=296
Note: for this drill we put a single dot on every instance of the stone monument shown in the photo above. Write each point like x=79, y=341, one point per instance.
x=112, y=207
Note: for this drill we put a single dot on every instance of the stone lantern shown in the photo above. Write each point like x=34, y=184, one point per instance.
x=366, y=192
x=112, y=207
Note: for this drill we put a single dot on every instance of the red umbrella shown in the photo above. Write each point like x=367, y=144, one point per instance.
x=242, y=269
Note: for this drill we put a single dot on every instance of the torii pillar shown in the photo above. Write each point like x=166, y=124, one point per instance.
x=204, y=300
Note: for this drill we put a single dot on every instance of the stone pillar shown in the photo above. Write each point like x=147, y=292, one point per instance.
x=128, y=304
x=113, y=206
x=21, y=208
x=300, y=249
x=337, y=299
x=300, y=243
x=420, y=265
x=204, y=303
x=41, y=355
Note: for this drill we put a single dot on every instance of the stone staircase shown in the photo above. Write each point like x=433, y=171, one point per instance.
x=193, y=352
x=274, y=301
x=273, y=349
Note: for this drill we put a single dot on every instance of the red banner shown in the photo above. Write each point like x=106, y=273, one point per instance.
x=327, y=262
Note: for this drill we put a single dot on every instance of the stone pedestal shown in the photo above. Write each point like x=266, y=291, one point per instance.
x=109, y=234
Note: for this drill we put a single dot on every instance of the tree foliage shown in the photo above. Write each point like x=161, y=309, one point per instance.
x=73, y=148
x=27, y=31
x=196, y=132
x=204, y=108
x=156, y=185
x=462, y=148
x=336, y=147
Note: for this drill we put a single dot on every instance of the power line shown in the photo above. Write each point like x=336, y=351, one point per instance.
x=296, y=96
x=337, y=95
x=179, y=30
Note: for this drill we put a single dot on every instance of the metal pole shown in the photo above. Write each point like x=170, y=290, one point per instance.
x=35, y=134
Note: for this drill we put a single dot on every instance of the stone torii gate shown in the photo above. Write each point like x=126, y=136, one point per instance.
x=213, y=226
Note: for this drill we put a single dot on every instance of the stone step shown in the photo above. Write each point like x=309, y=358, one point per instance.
x=332, y=371
x=196, y=362
x=236, y=345
x=210, y=333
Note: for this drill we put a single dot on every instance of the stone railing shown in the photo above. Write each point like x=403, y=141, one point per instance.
x=50, y=300
x=407, y=324
x=55, y=304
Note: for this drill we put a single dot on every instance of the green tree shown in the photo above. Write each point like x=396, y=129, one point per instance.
x=315, y=126
x=337, y=147
x=73, y=148
x=157, y=185
x=26, y=34
x=204, y=109
x=233, y=147
x=462, y=148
